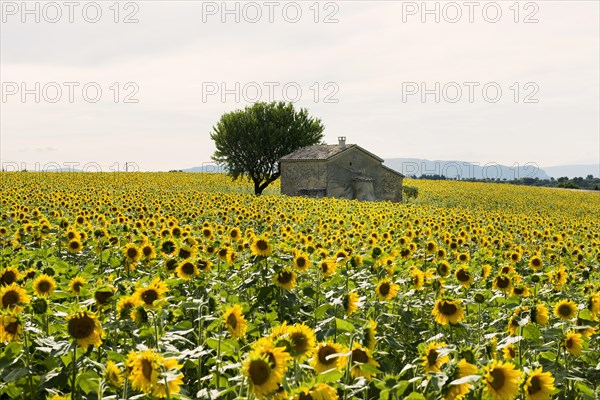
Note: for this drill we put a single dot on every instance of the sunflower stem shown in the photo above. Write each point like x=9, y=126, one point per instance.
x=317, y=295
x=28, y=360
x=218, y=360
x=74, y=376
x=167, y=388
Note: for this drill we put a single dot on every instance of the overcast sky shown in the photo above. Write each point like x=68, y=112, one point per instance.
x=487, y=82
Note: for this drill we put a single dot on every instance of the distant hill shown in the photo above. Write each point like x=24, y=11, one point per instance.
x=206, y=168
x=573, y=171
x=455, y=169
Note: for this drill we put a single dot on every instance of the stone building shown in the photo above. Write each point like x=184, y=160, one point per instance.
x=343, y=170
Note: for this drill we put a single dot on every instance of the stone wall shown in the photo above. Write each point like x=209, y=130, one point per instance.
x=305, y=176
x=391, y=185
x=341, y=171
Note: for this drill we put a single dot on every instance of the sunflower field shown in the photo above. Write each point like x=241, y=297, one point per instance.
x=186, y=286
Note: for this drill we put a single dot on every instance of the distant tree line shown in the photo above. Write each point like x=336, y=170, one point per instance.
x=587, y=183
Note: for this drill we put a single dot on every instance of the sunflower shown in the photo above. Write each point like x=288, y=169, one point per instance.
x=327, y=357
x=125, y=305
x=539, y=314
x=171, y=367
x=510, y=351
x=386, y=290
x=138, y=314
x=132, y=253
x=361, y=355
x=144, y=370
x=234, y=321
x=9, y=276
x=263, y=378
x=261, y=247
x=448, y=311
x=113, y=375
x=149, y=295
x=443, y=268
x=286, y=279
x=301, y=340
x=12, y=295
x=573, y=343
x=463, y=258
x=536, y=263
x=565, y=310
x=321, y=391
x=350, y=303
x=369, y=332
x=44, y=285
x=148, y=251
x=433, y=358
x=168, y=248
x=278, y=356
x=11, y=327
x=186, y=270
x=74, y=246
x=85, y=328
x=301, y=262
x=538, y=385
x=235, y=234
x=203, y=265
x=458, y=392
x=464, y=277
x=501, y=380
x=503, y=283
x=327, y=267
x=75, y=284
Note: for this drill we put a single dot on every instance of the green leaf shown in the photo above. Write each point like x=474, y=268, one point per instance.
x=16, y=374
x=89, y=381
x=415, y=396
x=343, y=326
x=333, y=375
x=466, y=379
x=531, y=332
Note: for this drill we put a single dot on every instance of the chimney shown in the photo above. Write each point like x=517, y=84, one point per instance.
x=342, y=141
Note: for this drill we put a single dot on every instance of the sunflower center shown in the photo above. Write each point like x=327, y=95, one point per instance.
x=502, y=282
x=305, y=396
x=81, y=327
x=44, y=286
x=184, y=253
x=518, y=291
x=324, y=352
x=188, y=268
x=534, y=385
x=432, y=357
x=232, y=320
x=168, y=247
x=11, y=297
x=147, y=369
x=463, y=275
x=262, y=245
x=300, y=262
x=384, y=289
x=8, y=277
x=147, y=251
x=498, y=379
x=202, y=264
x=569, y=343
x=132, y=253
x=299, y=341
x=536, y=262
x=463, y=257
x=284, y=277
x=12, y=328
x=564, y=310
x=447, y=308
x=359, y=356
x=149, y=296
x=259, y=372
x=102, y=296
x=77, y=286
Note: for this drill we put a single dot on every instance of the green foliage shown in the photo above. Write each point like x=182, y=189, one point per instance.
x=250, y=142
x=410, y=192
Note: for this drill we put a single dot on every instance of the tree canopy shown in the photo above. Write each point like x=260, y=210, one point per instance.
x=251, y=141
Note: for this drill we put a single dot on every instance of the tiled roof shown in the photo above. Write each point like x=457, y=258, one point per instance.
x=318, y=152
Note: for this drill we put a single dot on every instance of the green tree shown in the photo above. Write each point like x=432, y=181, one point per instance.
x=251, y=141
